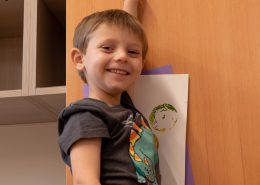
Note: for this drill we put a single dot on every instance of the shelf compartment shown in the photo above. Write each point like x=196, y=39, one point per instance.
x=11, y=44
x=51, y=43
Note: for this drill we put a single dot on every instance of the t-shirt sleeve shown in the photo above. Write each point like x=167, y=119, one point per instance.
x=81, y=126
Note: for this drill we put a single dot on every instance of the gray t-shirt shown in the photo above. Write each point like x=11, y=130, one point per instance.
x=129, y=148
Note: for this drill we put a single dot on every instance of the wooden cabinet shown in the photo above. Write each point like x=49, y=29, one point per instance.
x=218, y=44
x=32, y=67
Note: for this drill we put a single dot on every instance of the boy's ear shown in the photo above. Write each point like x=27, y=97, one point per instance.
x=77, y=59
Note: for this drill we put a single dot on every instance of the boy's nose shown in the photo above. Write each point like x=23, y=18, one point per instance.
x=120, y=55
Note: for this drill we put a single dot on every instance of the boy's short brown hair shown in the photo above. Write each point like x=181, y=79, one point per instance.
x=113, y=17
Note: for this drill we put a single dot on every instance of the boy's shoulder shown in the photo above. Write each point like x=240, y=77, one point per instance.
x=98, y=108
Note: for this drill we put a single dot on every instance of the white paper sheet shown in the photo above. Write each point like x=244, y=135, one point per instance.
x=163, y=99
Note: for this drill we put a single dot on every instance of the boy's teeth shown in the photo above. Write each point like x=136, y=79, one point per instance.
x=118, y=71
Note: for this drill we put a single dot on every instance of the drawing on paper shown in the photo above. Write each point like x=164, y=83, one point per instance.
x=163, y=117
x=163, y=99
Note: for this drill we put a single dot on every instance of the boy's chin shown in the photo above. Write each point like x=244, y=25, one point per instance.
x=116, y=91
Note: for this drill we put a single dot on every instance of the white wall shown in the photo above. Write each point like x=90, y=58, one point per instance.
x=29, y=155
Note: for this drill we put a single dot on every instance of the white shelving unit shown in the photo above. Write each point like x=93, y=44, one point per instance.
x=32, y=67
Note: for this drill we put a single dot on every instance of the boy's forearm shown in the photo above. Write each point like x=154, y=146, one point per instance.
x=86, y=183
x=131, y=6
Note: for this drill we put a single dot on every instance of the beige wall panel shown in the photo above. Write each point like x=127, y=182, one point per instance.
x=218, y=44
x=30, y=155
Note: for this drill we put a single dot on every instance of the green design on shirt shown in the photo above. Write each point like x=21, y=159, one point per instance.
x=143, y=152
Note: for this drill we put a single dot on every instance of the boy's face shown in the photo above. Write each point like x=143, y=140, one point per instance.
x=113, y=60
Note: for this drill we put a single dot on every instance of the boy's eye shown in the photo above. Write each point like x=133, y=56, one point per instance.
x=134, y=53
x=107, y=48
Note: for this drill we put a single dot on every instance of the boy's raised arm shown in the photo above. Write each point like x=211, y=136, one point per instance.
x=131, y=6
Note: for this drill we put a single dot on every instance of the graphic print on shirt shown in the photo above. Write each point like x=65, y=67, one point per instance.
x=143, y=152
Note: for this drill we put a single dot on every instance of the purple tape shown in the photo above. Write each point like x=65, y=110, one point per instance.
x=85, y=91
x=188, y=172
x=167, y=69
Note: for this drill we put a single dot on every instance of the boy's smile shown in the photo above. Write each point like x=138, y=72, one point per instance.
x=118, y=71
x=112, y=62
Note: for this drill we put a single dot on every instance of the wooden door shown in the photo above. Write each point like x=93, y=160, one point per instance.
x=218, y=44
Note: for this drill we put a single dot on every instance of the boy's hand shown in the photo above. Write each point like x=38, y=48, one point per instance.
x=131, y=6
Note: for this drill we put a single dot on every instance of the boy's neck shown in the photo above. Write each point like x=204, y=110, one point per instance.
x=109, y=99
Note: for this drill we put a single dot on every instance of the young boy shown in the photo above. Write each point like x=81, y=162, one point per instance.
x=104, y=138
